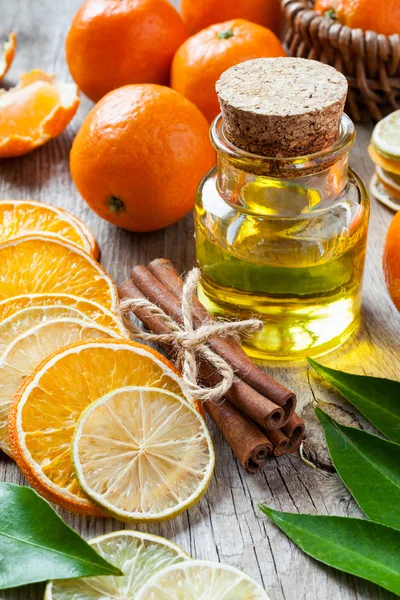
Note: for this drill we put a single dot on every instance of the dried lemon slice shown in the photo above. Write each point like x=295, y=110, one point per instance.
x=386, y=136
x=40, y=264
x=142, y=454
x=138, y=555
x=201, y=580
x=50, y=401
x=91, y=310
x=26, y=351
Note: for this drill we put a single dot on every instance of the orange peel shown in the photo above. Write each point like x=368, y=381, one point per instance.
x=35, y=111
x=8, y=54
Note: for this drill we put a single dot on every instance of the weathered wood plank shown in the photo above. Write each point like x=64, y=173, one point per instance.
x=226, y=524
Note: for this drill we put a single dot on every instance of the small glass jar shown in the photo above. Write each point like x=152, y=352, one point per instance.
x=284, y=239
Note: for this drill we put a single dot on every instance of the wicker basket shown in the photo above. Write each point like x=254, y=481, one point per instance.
x=370, y=61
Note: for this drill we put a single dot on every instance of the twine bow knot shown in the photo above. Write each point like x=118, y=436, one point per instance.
x=191, y=343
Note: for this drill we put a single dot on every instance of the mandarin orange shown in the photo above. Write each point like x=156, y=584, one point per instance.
x=391, y=260
x=113, y=43
x=382, y=16
x=202, y=59
x=199, y=15
x=139, y=156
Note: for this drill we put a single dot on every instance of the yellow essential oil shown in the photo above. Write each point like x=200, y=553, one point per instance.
x=284, y=240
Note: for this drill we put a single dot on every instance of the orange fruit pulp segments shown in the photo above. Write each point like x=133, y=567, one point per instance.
x=36, y=110
x=49, y=402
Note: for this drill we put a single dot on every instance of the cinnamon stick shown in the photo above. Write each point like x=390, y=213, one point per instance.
x=248, y=443
x=294, y=429
x=228, y=349
x=279, y=440
x=262, y=410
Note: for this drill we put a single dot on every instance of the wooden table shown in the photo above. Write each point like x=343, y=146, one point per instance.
x=226, y=524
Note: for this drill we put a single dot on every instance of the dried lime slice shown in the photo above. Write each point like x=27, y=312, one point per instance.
x=201, y=580
x=142, y=454
x=138, y=555
x=386, y=136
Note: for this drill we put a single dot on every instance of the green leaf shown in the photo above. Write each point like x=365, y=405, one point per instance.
x=356, y=546
x=368, y=466
x=376, y=398
x=36, y=544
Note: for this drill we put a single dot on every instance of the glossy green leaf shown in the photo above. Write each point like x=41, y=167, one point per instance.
x=368, y=466
x=356, y=546
x=36, y=544
x=376, y=398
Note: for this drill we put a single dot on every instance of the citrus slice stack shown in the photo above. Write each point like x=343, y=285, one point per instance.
x=24, y=217
x=35, y=111
x=41, y=264
x=50, y=401
x=138, y=555
x=201, y=580
x=385, y=153
x=28, y=349
x=142, y=454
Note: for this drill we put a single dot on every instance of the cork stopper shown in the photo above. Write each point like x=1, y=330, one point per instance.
x=282, y=107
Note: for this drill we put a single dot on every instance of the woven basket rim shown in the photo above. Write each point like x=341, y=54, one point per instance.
x=304, y=6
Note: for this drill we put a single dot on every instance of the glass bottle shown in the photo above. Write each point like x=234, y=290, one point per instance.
x=284, y=239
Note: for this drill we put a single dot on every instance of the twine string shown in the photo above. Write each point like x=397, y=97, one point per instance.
x=191, y=343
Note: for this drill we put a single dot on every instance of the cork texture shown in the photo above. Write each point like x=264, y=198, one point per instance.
x=282, y=107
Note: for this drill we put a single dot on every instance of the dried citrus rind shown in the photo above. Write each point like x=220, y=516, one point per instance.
x=36, y=110
x=8, y=54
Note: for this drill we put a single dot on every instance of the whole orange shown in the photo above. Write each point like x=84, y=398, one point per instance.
x=112, y=43
x=199, y=14
x=391, y=260
x=139, y=156
x=382, y=16
x=202, y=59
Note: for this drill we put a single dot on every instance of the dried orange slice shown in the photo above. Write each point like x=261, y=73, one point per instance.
x=43, y=264
x=91, y=310
x=24, y=217
x=50, y=401
x=8, y=54
x=35, y=111
x=27, y=350
x=94, y=248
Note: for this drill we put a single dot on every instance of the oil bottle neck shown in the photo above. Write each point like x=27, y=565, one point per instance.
x=282, y=186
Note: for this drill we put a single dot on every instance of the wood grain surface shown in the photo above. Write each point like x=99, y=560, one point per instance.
x=226, y=524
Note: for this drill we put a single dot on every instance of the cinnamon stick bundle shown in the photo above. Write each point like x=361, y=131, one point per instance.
x=227, y=348
x=257, y=417
x=261, y=409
